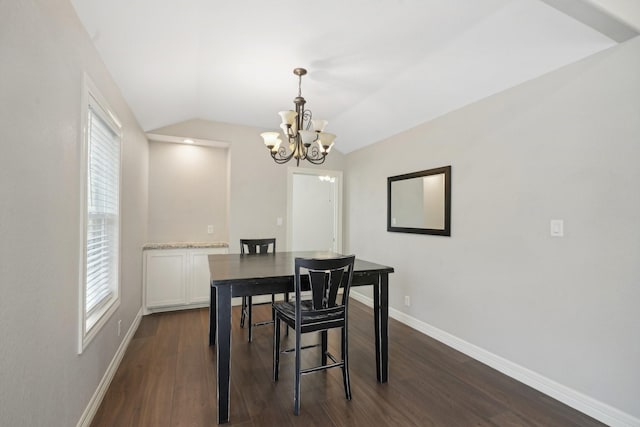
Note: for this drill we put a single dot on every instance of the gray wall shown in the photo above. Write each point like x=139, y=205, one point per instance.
x=562, y=146
x=187, y=192
x=44, y=51
x=257, y=185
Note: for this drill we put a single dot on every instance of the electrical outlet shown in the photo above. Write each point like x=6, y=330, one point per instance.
x=119, y=327
x=209, y=229
x=407, y=300
x=557, y=228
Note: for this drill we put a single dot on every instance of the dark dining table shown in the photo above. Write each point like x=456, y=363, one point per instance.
x=236, y=275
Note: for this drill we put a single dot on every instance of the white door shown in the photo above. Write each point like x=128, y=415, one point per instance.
x=314, y=208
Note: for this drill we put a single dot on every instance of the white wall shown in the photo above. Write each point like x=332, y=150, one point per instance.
x=44, y=51
x=187, y=193
x=566, y=146
x=257, y=185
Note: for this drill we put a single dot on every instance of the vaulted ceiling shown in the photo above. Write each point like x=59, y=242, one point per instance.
x=376, y=67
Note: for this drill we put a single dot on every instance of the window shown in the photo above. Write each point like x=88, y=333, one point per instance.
x=100, y=276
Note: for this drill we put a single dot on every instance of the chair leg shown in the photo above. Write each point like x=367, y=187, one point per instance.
x=276, y=348
x=273, y=312
x=243, y=311
x=250, y=317
x=324, y=341
x=345, y=367
x=286, y=328
x=296, y=392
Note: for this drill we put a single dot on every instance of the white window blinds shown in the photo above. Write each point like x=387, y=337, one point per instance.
x=102, y=214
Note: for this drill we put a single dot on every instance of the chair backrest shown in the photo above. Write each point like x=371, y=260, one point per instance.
x=257, y=246
x=325, y=277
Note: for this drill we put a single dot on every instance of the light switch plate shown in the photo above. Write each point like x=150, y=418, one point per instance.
x=557, y=228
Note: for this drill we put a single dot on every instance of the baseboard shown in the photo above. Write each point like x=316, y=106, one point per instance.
x=570, y=397
x=96, y=399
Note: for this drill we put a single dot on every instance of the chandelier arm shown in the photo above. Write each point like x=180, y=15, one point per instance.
x=314, y=156
x=317, y=161
x=299, y=102
x=281, y=159
x=302, y=150
x=306, y=117
x=316, y=153
x=290, y=132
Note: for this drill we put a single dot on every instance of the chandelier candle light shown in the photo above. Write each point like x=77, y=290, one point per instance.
x=304, y=144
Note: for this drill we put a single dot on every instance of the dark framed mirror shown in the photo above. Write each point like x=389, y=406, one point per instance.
x=420, y=202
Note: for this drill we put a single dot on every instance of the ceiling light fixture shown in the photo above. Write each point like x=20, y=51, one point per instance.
x=304, y=144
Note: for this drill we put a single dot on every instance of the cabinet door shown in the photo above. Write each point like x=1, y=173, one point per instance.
x=200, y=279
x=166, y=278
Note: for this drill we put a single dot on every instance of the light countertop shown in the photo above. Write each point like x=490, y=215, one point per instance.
x=185, y=245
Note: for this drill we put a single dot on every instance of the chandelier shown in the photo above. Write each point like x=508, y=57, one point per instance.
x=304, y=144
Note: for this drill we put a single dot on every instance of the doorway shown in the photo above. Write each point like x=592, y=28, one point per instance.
x=314, y=205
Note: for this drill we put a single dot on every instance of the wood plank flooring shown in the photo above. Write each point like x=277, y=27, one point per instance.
x=167, y=378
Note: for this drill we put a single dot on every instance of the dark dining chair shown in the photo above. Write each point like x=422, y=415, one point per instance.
x=320, y=313
x=254, y=246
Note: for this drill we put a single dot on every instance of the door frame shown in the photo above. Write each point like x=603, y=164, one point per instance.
x=337, y=206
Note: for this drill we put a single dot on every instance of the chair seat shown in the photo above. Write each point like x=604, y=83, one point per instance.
x=287, y=312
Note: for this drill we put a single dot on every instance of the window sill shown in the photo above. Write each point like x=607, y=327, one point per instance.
x=94, y=323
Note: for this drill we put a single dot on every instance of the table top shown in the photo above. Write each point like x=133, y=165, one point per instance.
x=229, y=268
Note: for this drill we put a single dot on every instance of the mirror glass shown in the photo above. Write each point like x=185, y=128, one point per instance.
x=420, y=202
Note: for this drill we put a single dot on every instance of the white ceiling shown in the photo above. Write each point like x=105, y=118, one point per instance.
x=376, y=67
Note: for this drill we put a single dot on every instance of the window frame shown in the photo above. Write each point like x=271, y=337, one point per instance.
x=91, y=324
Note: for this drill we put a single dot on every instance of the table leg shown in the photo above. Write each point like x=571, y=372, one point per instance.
x=381, y=320
x=223, y=351
x=212, y=316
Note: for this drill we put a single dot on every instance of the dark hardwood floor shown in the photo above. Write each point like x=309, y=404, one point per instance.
x=167, y=378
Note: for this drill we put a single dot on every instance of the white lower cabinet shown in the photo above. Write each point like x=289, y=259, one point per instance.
x=199, y=285
x=176, y=279
x=166, y=277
